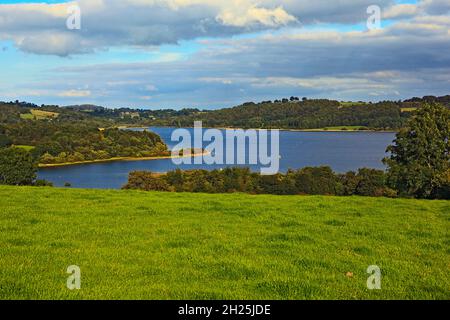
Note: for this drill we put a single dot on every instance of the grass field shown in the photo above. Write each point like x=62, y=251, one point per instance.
x=408, y=109
x=351, y=103
x=338, y=129
x=27, y=148
x=346, y=128
x=39, y=115
x=137, y=245
x=26, y=116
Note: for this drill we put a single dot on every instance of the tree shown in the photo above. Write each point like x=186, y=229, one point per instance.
x=5, y=141
x=17, y=167
x=371, y=182
x=349, y=182
x=316, y=181
x=419, y=161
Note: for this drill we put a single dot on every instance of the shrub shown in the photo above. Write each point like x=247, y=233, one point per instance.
x=17, y=167
x=316, y=180
x=43, y=183
x=5, y=141
x=371, y=182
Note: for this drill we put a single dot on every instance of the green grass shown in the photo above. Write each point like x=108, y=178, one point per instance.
x=346, y=128
x=39, y=115
x=351, y=103
x=27, y=116
x=27, y=148
x=408, y=109
x=340, y=128
x=137, y=245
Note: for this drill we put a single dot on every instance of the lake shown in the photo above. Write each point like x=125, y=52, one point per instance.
x=343, y=151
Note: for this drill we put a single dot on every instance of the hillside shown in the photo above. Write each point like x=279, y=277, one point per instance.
x=138, y=245
x=56, y=135
x=307, y=114
x=293, y=113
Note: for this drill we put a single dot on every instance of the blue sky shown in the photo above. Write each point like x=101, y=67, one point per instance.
x=212, y=54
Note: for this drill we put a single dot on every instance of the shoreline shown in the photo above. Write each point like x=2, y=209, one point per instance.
x=334, y=131
x=119, y=159
x=280, y=129
x=305, y=130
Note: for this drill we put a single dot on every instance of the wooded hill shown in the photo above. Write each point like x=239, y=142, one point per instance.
x=292, y=113
x=306, y=114
x=57, y=135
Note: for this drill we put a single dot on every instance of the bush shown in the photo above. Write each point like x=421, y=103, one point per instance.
x=348, y=183
x=147, y=181
x=316, y=180
x=43, y=183
x=5, y=141
x=371, y=182
x=17, y=167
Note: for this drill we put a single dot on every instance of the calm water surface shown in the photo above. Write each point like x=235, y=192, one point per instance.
x=343, y=151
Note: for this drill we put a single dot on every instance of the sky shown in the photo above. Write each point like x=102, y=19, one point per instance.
x=211, y=54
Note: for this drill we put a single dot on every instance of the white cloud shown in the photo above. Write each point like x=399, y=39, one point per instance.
x=250, y=15
x=41, y=28
x=75, y=94
x=401, y=11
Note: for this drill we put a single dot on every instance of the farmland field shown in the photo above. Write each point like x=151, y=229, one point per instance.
x=137, y=245
x=346, y=128
x=39, y=115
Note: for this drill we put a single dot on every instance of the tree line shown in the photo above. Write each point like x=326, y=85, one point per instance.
x=306, y=181
x=286, y=113
x=305, y=114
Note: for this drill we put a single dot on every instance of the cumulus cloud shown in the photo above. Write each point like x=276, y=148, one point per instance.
x=409, y=58
x=400, y=11
x=421, y=8
x=41, y=28
x=253, y=14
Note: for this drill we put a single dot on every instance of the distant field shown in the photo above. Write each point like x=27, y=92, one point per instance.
x=27, y=148
x=346, y=128
x=351, y=103
x=39, y=115
x=27, y=116
x=340, y=128
x=137, y=245
x=408, y=109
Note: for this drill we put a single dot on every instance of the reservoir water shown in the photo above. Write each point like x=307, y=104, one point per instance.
x=342, y=151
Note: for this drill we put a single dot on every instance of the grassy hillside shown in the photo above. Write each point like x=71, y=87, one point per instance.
x=136, y=245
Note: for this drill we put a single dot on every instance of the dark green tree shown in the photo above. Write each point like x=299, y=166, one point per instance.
x=371, y=182
x=419, y=161
x=5, y=141
x=17, y=167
